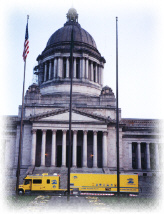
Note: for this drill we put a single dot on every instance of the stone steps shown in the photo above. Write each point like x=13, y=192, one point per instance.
x=52, y=170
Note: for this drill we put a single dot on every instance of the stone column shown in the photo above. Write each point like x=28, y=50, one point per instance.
x=102, y=75
x=148, y=155
x=156, y=156
x=33, y=147
x=67, y=67
x=45, y=71
x=96, y=73
x=74, y=68
x=74, y=156
x=104, y=149
x=130, y=155
x=99, y=74
x=55, y=68
x=85, y=149
x=91, y=71
x=86, y=68
x=64, y=148
x=95, y=149
x=43, y=149
x=50, y=68
x=60, y=66
x=82, y=68
x=139, y=154
x=53, y=150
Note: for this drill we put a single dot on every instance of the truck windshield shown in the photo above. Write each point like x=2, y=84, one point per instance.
x=26, y=182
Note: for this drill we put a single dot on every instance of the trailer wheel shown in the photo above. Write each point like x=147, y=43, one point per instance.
x=20, y=192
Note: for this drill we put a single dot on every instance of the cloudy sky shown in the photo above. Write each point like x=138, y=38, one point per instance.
x=141, y=46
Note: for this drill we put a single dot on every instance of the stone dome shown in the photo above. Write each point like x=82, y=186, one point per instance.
x=60, y=40
x=64, y=35
x=106, y=90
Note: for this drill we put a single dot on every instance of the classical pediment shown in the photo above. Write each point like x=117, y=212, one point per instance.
x=63, y=116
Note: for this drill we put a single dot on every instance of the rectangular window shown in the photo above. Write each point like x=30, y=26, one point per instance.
x=37, y=181
x=48, y=181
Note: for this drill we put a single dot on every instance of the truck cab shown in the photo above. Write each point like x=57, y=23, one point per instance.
x=26, y=186
x=42, y=182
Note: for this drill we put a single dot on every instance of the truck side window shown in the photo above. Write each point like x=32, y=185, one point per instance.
x=37, y=181
x=48, y=181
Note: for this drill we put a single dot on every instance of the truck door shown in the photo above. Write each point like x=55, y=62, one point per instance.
x=48, y=185
x=27, y=184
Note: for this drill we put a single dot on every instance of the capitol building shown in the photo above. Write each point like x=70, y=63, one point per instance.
x=45, y=136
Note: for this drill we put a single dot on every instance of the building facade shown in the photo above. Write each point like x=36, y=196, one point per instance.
x=46, y=115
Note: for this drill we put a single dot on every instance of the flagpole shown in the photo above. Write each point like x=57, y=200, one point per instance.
x=70, y=116
x=21, y=127
x=117, y=114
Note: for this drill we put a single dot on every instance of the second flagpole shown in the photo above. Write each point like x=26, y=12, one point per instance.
x=70, y=115
x=117, y=114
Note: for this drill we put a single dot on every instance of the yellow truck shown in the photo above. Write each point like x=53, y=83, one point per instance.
x=40, y=183
x=81, y=184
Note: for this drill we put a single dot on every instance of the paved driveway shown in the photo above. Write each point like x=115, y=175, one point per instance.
x=60, y=204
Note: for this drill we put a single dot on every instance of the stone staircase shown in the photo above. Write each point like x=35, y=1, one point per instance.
x=52, y=170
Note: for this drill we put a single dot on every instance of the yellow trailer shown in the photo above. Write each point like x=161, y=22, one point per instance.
x=81, y=183
x=104, y=183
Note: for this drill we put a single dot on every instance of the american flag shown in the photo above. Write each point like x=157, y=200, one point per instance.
x=26, y=44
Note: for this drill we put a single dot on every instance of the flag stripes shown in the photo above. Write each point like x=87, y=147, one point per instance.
x=26, y=44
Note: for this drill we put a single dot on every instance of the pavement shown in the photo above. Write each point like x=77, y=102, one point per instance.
x=79, y=204
x=61, y=204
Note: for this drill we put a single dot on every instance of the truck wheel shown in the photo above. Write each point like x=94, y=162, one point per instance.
x=20, y=192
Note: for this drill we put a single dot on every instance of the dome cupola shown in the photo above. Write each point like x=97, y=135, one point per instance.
x=72, y=15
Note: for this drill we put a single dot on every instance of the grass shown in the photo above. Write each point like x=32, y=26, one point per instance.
x=20, y=201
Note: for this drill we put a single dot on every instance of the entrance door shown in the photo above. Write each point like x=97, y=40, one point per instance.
x=67, y=157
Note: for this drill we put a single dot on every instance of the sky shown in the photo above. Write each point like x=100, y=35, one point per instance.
x=140, y=48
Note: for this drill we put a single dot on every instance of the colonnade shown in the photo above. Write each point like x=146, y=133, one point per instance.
x=147, y=154
x=83, y=68
x=74, y=148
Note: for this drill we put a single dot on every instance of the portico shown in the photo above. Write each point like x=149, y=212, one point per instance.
x=50, y=139
x=88, y=154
